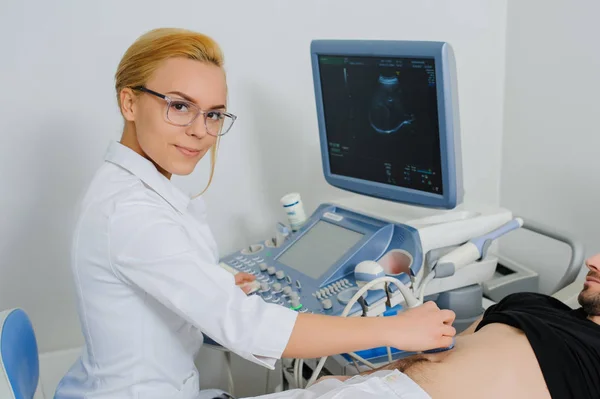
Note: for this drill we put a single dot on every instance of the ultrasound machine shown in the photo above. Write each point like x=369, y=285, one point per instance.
x=389, y=132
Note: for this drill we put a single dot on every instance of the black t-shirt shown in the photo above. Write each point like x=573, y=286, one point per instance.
x=565, y=342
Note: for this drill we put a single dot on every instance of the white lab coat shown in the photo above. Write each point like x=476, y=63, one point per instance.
x=146, y=272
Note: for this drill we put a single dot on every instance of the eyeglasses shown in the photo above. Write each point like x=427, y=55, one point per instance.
x=184, y=113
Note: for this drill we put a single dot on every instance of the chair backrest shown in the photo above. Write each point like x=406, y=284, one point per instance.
x=19, y=362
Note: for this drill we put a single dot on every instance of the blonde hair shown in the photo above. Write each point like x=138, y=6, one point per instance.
x=146, y=54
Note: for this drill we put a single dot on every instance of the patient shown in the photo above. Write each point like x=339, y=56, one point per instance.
x=526, y=346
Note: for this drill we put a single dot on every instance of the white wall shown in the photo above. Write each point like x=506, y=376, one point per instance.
x=58, y=114
x=551, y=137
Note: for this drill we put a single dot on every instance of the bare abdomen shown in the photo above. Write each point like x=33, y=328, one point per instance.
x=495, y=362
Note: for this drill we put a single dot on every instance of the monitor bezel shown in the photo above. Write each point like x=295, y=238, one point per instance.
x=447, y=100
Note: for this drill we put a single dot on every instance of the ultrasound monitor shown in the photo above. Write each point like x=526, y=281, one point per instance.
x=388, y=119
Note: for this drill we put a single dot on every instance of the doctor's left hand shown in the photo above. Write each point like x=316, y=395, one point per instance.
x=241, y=279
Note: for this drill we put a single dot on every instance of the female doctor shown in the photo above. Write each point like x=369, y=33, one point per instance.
x=144, y=261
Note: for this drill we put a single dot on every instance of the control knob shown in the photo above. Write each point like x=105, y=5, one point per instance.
x=296, y=303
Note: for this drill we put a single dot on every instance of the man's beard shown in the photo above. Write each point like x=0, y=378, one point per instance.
x=590, y=301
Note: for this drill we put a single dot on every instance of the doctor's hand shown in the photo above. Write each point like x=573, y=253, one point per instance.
x=241, y=279
x=423, y=328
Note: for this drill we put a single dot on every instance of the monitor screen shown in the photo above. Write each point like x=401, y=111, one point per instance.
x=381, y=120
x=319, y=248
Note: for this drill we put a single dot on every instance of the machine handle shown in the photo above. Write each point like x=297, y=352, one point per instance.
x=577, y=250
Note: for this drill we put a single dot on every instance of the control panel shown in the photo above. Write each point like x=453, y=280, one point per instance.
x=313, y=270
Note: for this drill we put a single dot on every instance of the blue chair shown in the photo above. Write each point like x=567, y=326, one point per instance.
x=19, y=363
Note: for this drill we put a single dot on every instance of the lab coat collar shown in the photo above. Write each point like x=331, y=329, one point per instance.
x=144, y=169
